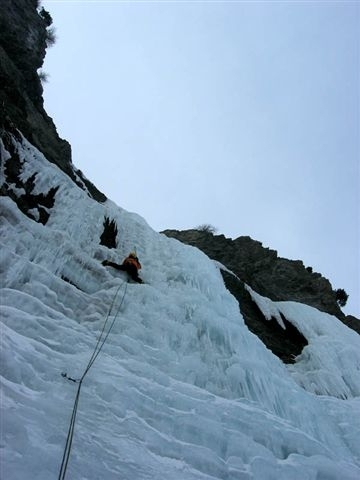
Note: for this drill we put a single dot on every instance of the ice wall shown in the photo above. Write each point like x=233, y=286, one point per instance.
x=181, y=390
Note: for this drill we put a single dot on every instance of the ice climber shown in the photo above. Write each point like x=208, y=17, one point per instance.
x=131, y=265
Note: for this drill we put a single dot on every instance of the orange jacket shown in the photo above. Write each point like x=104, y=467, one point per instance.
x=132, y=261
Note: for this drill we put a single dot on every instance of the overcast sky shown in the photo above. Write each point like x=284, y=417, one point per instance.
x=243, y=115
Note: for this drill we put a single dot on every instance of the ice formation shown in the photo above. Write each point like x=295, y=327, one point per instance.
x=181, y=389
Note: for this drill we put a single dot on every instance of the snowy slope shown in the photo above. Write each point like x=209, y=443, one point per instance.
x=182, y=389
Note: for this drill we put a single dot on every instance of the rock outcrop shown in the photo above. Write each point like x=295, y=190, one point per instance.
x=271, y=276
x=286, y=343
x=24, y=36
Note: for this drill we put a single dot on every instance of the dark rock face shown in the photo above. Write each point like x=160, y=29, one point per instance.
x=286, y=344
x=352, y=322
x=35, y=205
x=271, y=276
x=108, y=237
x=23, y=41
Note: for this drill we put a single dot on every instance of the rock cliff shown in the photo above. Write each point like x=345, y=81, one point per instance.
x=25, y=33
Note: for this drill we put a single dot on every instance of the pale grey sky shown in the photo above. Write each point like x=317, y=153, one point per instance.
x=244, y=115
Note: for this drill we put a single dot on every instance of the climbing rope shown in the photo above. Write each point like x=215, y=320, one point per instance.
x=98, y=347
